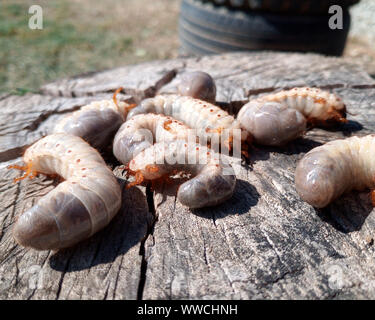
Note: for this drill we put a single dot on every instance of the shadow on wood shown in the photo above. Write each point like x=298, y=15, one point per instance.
x=295, y=147
x=244, y=197
x=348, y=213
x=347, y=128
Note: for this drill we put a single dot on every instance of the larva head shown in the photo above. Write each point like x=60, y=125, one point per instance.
x=199, y=85
x=271, y=123
x=315, y=179
x=335, y=109
x=337, y=115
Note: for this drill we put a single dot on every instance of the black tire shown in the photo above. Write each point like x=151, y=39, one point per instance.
x=206, y=29
x=290, y=6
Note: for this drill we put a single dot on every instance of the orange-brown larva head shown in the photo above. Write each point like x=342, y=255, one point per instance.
x=152, y=168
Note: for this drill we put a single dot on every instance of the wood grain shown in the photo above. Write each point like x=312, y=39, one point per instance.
x=264, y=243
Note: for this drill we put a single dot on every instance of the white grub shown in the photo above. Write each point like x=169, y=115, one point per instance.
x=328, y=171
x=208, y=120
x=84, y=203
x=278, y=118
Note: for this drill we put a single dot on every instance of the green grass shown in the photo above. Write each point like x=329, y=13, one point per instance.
x=73, y=40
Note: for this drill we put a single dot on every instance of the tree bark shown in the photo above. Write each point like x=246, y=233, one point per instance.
x=264, y=242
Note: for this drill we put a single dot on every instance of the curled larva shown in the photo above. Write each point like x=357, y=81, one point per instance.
x=199, y=85
x=95, y=123
x=213, y=179
x=328, y=171
x=278, y=118
x=142, y=131
x=85, y=202
x=206, y=118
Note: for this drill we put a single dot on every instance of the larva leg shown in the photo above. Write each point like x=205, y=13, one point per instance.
x=138, y=179
x=114, y=97
x=199, y=85
x=213, y=181
x=29, y=172
x=85, y=202
x=328, y=171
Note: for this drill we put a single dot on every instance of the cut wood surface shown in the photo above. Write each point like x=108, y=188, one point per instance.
x=264, y=243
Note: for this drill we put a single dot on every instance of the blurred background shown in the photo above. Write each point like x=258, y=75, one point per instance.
x=82, y=36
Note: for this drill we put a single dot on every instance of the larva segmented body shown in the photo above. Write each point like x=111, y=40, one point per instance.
x=278, y=118
x=199, y=85
x=85, y=202
x=313, y=103
x=142, y=131
x=328, y=171
x=95, y=123
x=213, y=181
x=206, y=118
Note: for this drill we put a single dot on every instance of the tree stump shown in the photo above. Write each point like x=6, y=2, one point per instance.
x=264, y=243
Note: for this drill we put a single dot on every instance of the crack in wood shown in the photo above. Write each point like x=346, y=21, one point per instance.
x=137, y=94
x=63, y=273
x=12, y=154
x=142, y=249
x=44, y=116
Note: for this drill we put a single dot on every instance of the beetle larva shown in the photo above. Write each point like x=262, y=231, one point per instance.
x=95, y=123
x=199, y=85
x=208, y=119
x=213, y=182
x=278, y=118
x=142, y=131
x=85, y=202
x=328, y=171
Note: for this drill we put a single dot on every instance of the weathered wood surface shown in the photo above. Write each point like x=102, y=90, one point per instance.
x=263, y=243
